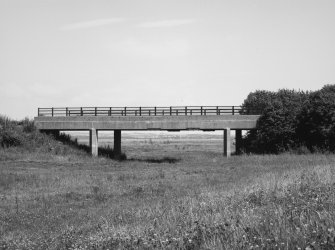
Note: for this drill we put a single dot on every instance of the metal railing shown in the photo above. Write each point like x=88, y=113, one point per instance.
x=145, y=111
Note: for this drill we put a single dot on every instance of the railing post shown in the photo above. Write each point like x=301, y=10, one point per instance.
x=95, y=111
x=67, y=111
x=217, y=110
x=140, y=111
x=52, y=112
x=170, y=110
x=81, y=111
x=38, y=112
x=125, y=111
x=233, y=110
x=155, y=111
x=110, y=111
x=185, y=110
x=201, y=110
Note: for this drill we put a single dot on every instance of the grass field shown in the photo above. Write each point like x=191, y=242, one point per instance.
x=171, y=193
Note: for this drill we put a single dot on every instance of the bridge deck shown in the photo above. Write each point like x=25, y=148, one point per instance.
x=147, y=122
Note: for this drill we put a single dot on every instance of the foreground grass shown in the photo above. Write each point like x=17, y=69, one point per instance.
x=194, y=201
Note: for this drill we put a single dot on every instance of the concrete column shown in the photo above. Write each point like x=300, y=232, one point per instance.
x=238, y=141
x=117, y=144
x=227, y=143
x=94, y=141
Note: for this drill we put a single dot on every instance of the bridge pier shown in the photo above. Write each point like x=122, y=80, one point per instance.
x=94, y=141
x=238, y=141
x=117, y=144
x=227, y=143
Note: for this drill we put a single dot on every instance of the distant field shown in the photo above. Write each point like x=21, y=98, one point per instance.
x=173, y=192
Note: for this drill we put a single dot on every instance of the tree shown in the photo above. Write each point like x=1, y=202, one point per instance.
x=257, y=102
x=316, y=126
x=276, y=127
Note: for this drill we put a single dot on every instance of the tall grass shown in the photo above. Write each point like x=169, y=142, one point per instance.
x=258, y=202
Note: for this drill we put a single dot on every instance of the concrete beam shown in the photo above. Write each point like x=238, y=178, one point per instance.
x=227, y=143
x=148, y=122
x=94, y=141
x=238, y=141
x=117, y=144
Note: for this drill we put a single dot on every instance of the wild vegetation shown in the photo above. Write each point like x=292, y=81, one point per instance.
x=55, y=196
x=292, y=120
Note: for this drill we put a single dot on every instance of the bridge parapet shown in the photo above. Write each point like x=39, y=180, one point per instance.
x=145, y=111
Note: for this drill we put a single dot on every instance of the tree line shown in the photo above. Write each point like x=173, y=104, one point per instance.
x=291, y=120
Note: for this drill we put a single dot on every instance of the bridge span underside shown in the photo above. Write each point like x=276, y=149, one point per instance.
x=169, y=123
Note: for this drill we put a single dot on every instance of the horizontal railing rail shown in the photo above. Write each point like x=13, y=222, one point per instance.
x=146, y=111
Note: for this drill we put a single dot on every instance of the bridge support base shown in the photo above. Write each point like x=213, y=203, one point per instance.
x=94, y=142
x=238, y=141
x=117, y=144
x=227, y=143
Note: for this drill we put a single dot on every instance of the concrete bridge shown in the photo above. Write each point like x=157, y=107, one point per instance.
x=206, y=118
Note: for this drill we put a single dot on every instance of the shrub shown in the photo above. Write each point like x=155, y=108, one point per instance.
x=11, y=138
x=10, y=133
x=276, y=127
x=316, y=122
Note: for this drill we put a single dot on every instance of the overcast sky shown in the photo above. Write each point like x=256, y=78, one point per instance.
x=159, y=53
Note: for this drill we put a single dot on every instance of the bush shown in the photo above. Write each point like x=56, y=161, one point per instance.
x=276, y=127
x=11, y=138
x=316, y=122
x=291, y=120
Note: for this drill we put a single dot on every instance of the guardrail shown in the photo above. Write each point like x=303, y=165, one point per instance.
x=144, y=111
